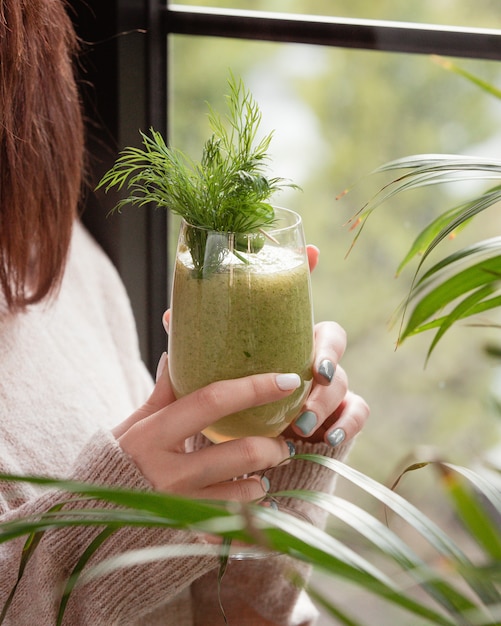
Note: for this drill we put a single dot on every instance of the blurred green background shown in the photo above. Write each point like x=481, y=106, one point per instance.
x=338, y=114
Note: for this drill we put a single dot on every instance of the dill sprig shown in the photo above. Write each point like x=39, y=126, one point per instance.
x=227, y=191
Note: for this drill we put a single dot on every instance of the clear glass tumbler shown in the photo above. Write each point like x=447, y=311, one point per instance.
x=241, y=304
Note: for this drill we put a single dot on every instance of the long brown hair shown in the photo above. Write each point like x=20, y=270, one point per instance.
x=41, y=147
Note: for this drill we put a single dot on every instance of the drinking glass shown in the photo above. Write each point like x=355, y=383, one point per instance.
x=241, y=304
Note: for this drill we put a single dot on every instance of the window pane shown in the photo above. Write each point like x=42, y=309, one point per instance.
x=337, y=115
x=480, y=14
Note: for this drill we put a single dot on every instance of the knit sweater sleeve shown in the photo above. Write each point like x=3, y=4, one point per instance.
x=261, y=592
x=260, y=588
x=123, y=596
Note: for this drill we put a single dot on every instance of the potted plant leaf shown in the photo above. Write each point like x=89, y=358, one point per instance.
x=453, y=588
x=465, y=283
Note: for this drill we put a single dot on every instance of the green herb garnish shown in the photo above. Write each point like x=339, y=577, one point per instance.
x=227, y=191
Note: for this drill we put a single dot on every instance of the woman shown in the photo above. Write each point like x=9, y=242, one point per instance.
x=70, y=372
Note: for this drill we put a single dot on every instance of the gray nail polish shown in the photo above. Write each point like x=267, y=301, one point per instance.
x=327, y=369
x=336, y=437
x=265, y=482
x=292, y=448
x=306, y=422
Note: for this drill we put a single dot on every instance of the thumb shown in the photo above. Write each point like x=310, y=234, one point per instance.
x=313, y=253
x=161, y=396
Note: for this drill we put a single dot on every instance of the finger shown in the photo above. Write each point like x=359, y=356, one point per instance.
x=348, y=421
x=242, y=490
x=193, y=413
x=215, y=464
x=313, y=253
x=166, y=320
x=330, y=345
x=322, y=402
x=161, y=396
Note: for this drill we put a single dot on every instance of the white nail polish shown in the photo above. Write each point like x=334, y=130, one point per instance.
x=287, y=382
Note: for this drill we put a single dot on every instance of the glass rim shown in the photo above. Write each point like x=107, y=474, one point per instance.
x=269, y=228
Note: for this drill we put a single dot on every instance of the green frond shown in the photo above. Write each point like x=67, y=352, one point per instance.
x=466, y=591
x=433, y=290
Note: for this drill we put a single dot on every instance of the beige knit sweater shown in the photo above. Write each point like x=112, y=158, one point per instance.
x=70, y=370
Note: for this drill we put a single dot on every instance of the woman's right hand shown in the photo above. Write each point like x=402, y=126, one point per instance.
x=155, y=435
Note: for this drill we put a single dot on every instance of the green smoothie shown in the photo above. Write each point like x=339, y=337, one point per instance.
x=244, y=318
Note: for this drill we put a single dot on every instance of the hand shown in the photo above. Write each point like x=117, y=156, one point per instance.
x=332, y=413
x=154, y=437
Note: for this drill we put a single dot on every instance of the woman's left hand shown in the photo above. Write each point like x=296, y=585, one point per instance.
x=332, y=413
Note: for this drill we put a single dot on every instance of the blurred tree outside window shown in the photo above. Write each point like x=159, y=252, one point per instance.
x=337, y=115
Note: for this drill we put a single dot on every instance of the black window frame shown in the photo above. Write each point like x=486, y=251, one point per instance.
x=125, y=58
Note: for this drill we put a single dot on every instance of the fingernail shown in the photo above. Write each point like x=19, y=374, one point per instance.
x=306, y=422
x=327, y=369
x=270, y=504
x=287, y=382
x=336, y=437
x=265, y=484
x=292, y=448
x=165, y=323
x=161, y=366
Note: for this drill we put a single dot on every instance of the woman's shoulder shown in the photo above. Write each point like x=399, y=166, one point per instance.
x=93, y=283
x=91, y=272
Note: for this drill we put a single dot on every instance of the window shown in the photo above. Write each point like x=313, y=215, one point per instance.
x=459, y=13
x=339, y=111
x=345, y=94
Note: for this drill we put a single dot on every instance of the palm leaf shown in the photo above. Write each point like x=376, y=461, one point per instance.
x=29, y=548
x=430, y=169
x=482, y=275
x=341, y=616
x=471, y=510
x=425, y=170
x=429, y=305
x=467, y=307
x=481, y=249
x=422, y=170
x=438, y=539
x=290, y=535
x=293, y=536
x=391, y=546
x=421, y=244
x=77, y=570
x=449, y=223
x=457, y=69
x=280, y=531
x=473, y=514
